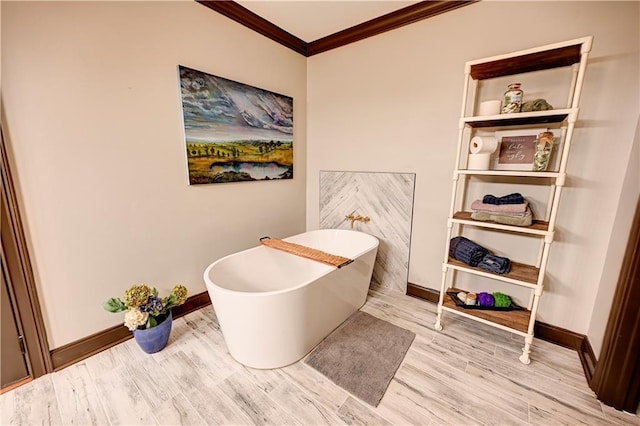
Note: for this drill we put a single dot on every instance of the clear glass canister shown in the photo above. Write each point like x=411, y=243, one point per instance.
x=512, y=101
x=543, y=147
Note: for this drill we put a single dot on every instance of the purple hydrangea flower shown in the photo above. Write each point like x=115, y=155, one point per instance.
x=153, y=305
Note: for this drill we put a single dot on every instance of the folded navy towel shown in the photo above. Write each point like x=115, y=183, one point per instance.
x=495, y=264
x=515, y=198
x=466, y=251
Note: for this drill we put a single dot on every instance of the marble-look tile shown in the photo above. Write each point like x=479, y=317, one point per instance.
x=387, y=198
x=121, y=399
x=8, y=415
x=354, y=412
x=301, y=406
x=177, y=411
x=36, y=403
x=254, y=402
x=81, y=404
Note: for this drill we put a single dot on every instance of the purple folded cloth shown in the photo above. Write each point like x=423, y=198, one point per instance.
x=478, y=205
x=515, y=198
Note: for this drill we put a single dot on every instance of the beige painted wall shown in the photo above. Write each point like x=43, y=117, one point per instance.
x=617, y=246
x=92, y=116
x=392, y=102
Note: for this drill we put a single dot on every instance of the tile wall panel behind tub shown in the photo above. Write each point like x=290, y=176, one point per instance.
x=387, y=198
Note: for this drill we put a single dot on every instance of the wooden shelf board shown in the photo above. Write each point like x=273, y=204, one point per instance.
x=510, y=173
x=535, y=61
x=519, y=118
x=521, y=272
x=539, y=227
x=516, y=320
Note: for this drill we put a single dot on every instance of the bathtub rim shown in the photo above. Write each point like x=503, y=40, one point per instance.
x=330, y=268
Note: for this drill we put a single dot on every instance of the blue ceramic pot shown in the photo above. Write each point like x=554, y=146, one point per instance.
x=154, y=339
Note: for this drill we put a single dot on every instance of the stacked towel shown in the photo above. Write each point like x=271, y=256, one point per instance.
x=515, y=198
x=511, y=209
x=495, y=264
x=523, y=220
x=478, y=205
x=466, y=251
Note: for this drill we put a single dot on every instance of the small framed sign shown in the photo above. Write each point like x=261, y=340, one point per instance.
x=517, y=149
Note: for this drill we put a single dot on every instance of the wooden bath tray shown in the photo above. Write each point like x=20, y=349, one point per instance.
x=307, y=252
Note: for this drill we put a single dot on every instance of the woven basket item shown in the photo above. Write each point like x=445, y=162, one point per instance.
x=467, y=251
x=307, y=252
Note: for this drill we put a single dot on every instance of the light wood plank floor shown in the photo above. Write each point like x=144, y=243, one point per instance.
x=467, y=374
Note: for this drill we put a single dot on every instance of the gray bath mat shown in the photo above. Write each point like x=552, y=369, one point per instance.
x=362, y=355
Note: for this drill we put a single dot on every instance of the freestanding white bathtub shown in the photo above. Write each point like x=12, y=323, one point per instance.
x=273, y=307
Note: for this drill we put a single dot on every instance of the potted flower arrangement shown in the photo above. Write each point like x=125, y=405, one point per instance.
x=148, y=315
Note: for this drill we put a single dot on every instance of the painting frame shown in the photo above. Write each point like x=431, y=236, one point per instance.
x=234, y=132
x=516, y=149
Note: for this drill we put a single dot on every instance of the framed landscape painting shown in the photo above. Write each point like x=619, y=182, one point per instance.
x=234, y=132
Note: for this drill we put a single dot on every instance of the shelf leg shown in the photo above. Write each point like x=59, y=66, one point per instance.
x=524, y=358
x=438, y=324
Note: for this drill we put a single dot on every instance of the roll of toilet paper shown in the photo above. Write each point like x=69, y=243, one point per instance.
x=479, y=161
x=483, y=145
x=489, y=108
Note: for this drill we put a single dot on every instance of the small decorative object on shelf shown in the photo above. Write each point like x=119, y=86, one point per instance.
x=491, y=107
x=510, y=209
x=148, y=316
x=485, y=301
x=466, y=251
x=536, y=105
x=543, y=146
x=471, y=299
x=512, y=99
x=501, y=300
x=480, y=150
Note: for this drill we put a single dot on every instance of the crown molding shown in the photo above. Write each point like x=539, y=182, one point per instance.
x=244, y=16
x=384, y=23
x=388, y=22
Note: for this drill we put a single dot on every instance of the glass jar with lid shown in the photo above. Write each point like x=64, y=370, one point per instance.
x=512, y=101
